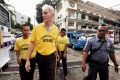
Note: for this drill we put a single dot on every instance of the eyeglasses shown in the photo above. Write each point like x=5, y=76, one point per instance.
x=100, y=30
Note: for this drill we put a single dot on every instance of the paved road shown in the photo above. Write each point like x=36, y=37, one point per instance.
x=74, y=70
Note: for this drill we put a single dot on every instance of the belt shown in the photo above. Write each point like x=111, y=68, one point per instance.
x=97, y=62
x=46, y=55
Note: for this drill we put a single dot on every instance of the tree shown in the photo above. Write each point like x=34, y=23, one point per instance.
x=39, y=17
x=29, y=23
x=17, y=26
x=2, y=2
x=39, y=9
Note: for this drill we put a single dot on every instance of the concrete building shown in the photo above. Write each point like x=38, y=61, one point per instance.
x=66, y=13
x=20, y=18
x=75, y=15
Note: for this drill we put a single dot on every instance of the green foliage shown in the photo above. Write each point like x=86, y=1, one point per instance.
x=39, y=17
x=17, y=26
x=29, y=23
x=39, y=9
x=2, y=2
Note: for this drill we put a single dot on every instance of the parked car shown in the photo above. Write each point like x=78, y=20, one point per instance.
x=18, y=34
x=90, y=36
x=12, y=40
x=76, y=40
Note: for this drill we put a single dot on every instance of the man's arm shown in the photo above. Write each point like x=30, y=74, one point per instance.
x=18, y=56
x=30, y=50
x=86, y=50
x=57, y=51
x=17, y=50
x=84, y=57
x=65, y=51
x=66, y=46
x=113, y=58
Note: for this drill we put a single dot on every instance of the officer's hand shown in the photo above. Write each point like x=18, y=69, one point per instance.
x=83, y=66
x=116, y=69
x=27, y=66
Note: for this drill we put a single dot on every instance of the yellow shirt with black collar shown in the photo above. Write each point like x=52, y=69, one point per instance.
x=22, y=45
x=45, y=41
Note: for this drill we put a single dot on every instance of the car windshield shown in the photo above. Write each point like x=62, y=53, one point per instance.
x=82, y=37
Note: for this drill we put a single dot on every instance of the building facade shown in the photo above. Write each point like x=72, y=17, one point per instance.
x=20, y=18
x=77, y=15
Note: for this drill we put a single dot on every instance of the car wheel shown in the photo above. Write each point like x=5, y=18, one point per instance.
x=73, y=47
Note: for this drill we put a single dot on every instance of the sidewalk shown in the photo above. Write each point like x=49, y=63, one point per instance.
x=73, y=59
x=74, y=68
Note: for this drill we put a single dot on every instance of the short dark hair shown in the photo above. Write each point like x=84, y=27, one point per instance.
x=25, y=24
x=63, y=29
x=103, y=25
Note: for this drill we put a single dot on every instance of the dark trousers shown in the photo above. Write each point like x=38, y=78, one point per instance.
x=95, y=68
x=23, y=73
x=47, y=66
x=64, y=63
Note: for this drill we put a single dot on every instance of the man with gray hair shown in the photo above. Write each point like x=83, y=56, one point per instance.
x=96, y=52
x=44, y=39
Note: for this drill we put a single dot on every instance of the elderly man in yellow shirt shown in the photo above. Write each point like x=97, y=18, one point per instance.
x=21, y=48
x=63, y=42
x=44, y=38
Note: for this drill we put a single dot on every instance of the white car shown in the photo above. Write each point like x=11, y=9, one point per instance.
x=90, y=36
x=12, y=40
x=111, y=38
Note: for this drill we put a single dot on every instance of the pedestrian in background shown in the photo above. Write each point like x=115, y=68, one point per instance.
x=63, y=42
x=21, y=48
x=100, y=49
x=44, y=38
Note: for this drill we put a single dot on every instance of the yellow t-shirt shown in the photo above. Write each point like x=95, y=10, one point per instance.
x=1, y=38
x=62, y=41
x=22, y=45
x=45, y=40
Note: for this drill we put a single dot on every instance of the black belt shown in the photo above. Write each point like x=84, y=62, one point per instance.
x=46, y=55
x=30, y=59
x=97, y=62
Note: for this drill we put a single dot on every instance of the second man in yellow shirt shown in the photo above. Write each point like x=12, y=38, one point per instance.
x=21, y=48
x=63, y=42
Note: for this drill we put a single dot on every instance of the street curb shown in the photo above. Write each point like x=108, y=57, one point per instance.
x=16, y=71
x=76, y=64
